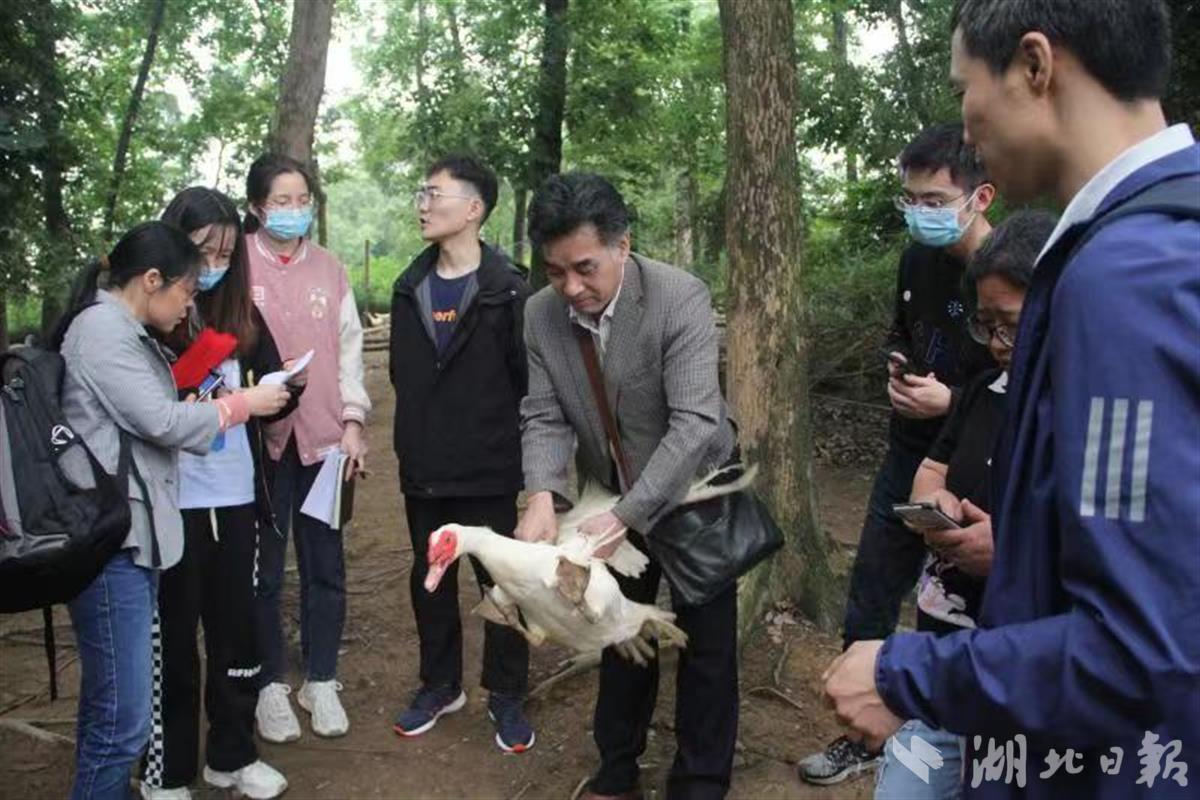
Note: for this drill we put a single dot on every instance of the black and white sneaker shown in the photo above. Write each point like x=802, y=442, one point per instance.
x=842, y=759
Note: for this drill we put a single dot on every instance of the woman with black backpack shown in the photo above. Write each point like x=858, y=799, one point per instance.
x=118, y=386
x=225, y=501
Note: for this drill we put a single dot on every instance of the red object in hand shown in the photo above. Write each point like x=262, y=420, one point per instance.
x=205, y=354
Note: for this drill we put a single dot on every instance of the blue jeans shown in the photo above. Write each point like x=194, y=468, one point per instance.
x=896, y=780
x=321, y=562
x=889, y=557
x=112, y=619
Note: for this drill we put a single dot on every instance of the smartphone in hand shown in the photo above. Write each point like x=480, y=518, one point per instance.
x=897, y=360
x=214, y=381
x=924, y=516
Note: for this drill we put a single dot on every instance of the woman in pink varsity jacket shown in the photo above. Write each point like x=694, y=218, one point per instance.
x=303, y=293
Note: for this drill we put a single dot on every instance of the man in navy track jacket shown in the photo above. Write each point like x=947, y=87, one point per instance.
x=1083, y=679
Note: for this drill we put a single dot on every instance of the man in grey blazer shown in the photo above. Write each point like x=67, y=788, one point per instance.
x=653, y=328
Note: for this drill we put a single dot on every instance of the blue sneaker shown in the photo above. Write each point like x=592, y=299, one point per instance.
x=513, y=732
x=430, y=703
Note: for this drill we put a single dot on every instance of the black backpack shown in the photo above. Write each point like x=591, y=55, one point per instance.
x=62, y=517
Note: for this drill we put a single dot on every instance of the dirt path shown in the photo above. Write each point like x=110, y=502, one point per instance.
x=779, y=723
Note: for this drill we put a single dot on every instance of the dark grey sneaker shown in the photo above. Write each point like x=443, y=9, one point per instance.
x=842, y=759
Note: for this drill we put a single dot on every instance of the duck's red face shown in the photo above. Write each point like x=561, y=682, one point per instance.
x=443, y=551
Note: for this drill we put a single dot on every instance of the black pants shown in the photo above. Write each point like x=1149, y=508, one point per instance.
x=321, y=563
x=889, y=557
x=213, y=583
x=706, y=699
x=439, y=626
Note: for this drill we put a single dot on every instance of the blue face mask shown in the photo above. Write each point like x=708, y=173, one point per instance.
x=286, y=224
x=210, y=277
x=937, y=227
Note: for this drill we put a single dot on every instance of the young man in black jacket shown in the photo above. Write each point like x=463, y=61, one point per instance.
x=458, y=367
x=931, y=356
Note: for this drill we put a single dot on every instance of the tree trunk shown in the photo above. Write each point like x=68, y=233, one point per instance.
x=546, y=147
x=520, y=206
x=912, y=78
x=841, y=53
x=59, y=255
x=220, y=166
x=131, y=112
x=3, y=322
x=455, y=34
x=714, y=229
x=300, y=91
x=322, y=208
x=685, y=212
x=422, y=50
x=767, y=346
x=303, y=80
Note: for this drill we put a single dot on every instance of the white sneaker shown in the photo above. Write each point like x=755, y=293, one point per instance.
x=257, y=781
x=320, y=699
x=276, y=720
x=150, y=792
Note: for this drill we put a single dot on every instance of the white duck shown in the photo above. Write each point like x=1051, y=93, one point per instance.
x=563, y=592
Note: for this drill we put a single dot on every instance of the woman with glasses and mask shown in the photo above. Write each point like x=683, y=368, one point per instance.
x=955, y=477
x=304, y=295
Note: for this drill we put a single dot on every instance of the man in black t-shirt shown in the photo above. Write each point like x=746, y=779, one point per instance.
x=945, y=195
x=459, y=370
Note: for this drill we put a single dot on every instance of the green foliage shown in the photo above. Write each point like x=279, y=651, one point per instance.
x=645, y=106
x=210, y=91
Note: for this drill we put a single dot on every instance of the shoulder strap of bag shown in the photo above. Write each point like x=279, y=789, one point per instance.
x=51, y=654
x=591, y=362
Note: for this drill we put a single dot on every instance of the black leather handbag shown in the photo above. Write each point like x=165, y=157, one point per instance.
x=703, y=548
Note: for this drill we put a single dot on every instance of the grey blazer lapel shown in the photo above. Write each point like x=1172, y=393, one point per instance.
x=626, y=321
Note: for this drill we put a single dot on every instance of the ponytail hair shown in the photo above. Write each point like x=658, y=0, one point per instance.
x=146, y=246
x=263, y=172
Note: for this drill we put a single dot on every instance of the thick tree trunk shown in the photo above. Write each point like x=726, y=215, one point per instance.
x=767, y=348
x=685, y=213
x=300, y=91
x=131, y=112
x=303, y=79
x=520, y=206
x=546, y=147
x=59, y=254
